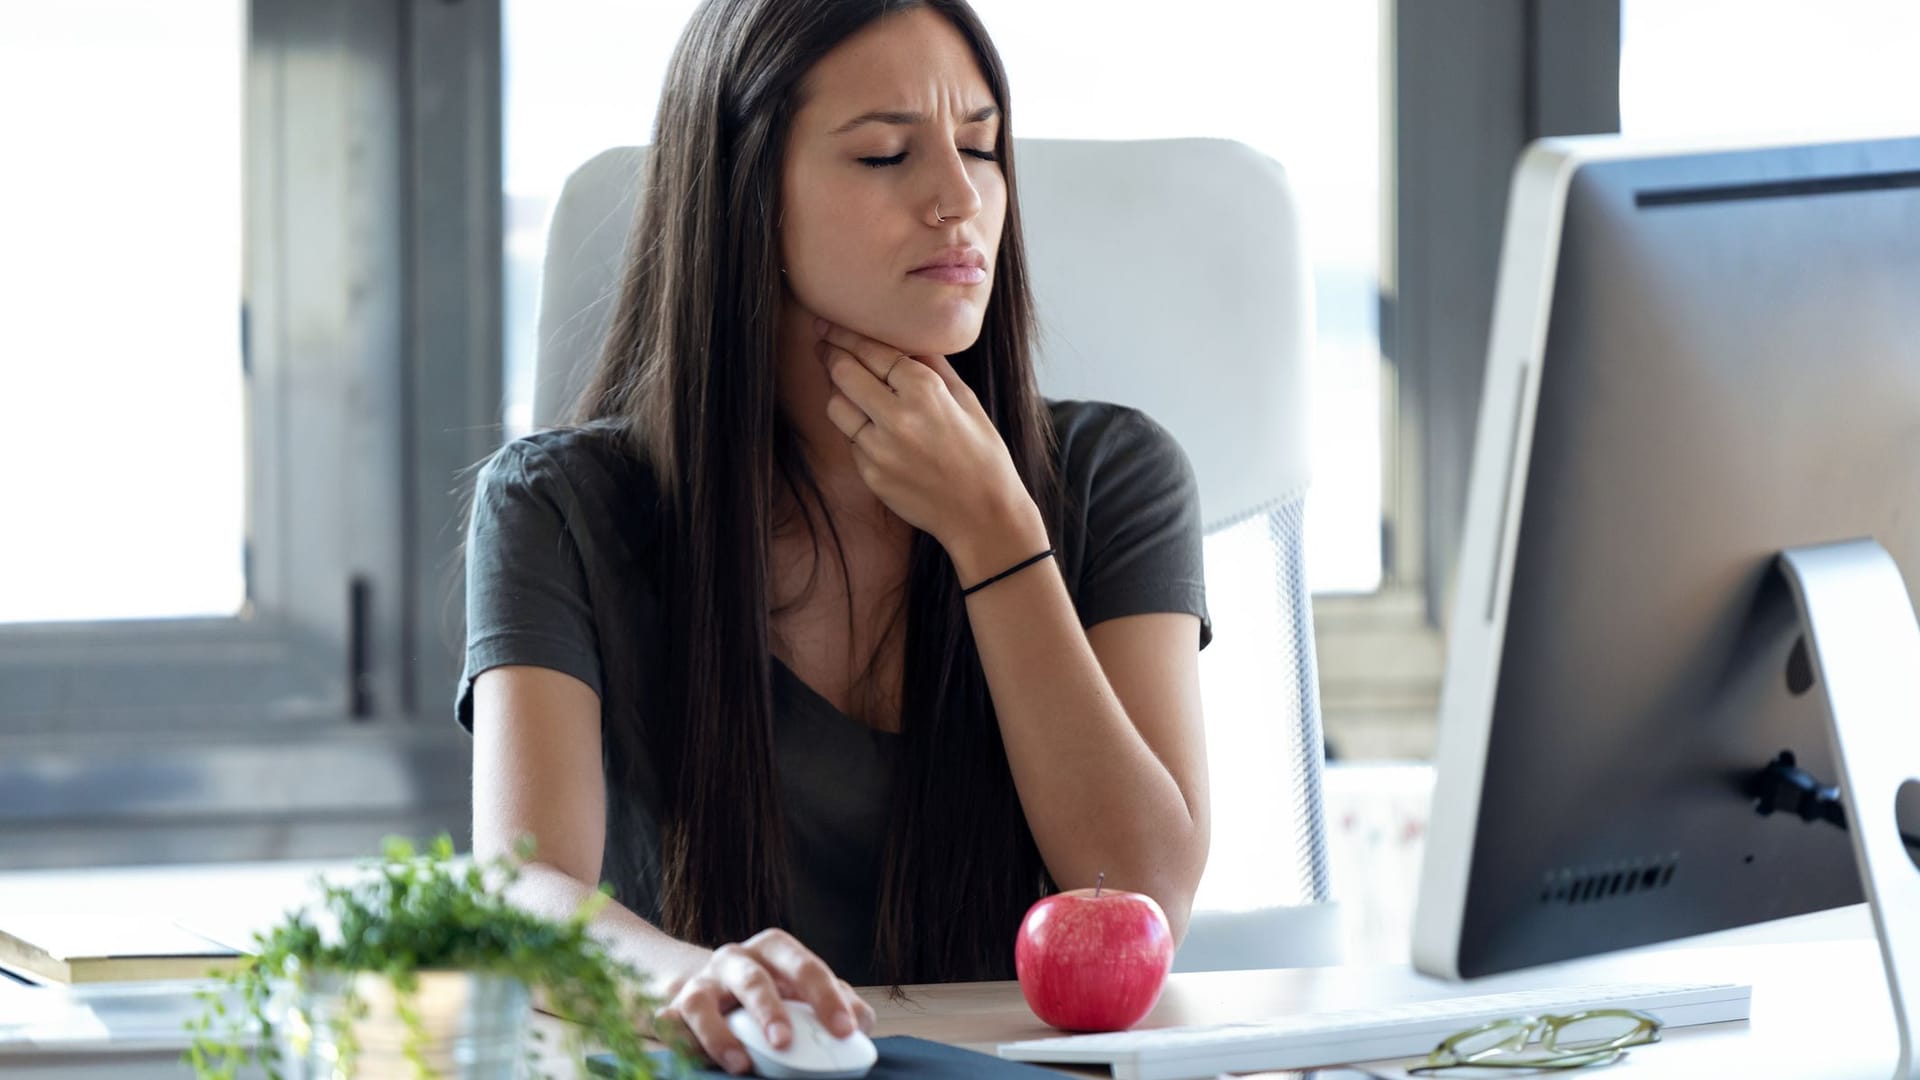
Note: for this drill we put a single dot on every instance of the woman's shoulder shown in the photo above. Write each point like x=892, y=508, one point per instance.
x=573, y=457
x=594, y=442
x=1092, y=433
x=594, y=474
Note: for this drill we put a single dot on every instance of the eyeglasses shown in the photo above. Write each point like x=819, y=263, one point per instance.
x=1593, y=1037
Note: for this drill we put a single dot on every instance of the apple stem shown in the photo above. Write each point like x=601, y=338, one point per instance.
x=1097, y=882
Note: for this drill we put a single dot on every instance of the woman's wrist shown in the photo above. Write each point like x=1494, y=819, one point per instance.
x=670, y=976
x=996, y=542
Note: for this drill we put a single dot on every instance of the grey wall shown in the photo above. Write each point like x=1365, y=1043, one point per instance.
x=1475, y=81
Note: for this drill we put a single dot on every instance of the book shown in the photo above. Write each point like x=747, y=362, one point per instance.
x=107, y=1029
x=76, y=949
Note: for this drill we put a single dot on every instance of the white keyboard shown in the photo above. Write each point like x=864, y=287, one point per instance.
x=1311, y=1040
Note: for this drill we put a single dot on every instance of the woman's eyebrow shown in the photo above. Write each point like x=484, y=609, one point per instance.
x=894, y=116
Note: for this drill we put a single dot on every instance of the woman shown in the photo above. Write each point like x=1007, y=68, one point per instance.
x=801, y=773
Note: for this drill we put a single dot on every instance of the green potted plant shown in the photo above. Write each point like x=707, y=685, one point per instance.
x=431, y=972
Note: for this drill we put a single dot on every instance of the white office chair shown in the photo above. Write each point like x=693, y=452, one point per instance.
x=1168, y=275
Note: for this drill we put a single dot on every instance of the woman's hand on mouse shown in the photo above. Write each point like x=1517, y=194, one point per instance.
x=923, y=442
x=757, y=974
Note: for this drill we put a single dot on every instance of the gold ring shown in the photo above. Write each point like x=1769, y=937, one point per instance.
x=858, y=430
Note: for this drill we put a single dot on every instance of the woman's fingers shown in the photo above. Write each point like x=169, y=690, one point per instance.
x=806, y=976
x=865, y=351
x=862, y=1012
x=862, y=388
x=759, y=975
x=845, y=415
x=699, y=1008
x=956, y=385
x=745, y=974
x=670, y=1027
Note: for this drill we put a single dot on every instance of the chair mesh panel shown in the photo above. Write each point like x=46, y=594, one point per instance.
x=1261, y=670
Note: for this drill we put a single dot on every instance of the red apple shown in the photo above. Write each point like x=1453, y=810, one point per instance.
x=1093, y=959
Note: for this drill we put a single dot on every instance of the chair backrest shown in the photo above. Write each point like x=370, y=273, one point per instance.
x=1168, y=275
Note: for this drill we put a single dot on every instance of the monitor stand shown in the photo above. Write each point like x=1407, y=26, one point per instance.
x=1864, y=643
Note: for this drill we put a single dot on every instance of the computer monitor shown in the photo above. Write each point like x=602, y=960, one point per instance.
x=1700, y=358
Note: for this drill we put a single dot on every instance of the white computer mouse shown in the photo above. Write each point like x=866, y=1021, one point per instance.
x=813, y=1053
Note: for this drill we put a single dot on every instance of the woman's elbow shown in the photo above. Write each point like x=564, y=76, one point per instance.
x=1175, y=898
x=1178, y=902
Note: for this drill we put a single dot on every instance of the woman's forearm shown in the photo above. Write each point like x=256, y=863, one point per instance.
x=665, y=960
x=1097, y=797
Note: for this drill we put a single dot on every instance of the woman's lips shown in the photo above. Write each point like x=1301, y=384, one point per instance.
x=952, y=275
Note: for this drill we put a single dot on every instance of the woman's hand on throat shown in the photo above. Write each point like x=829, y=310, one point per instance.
x=920, y=439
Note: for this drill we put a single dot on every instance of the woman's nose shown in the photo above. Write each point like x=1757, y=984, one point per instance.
x=957, y=197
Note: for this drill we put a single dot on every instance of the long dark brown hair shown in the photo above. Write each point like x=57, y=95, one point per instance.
x=688, y=370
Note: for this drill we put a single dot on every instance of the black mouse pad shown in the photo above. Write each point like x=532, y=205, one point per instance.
x=900, y=1056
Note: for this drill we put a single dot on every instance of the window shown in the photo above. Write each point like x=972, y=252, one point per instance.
x=1299, y=82
x=1694, y=67
x=122, y=286
x=240, y=279
x=204, y=370
x=577, y=78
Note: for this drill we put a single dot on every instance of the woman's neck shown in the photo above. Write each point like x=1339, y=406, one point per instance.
x=804, y=390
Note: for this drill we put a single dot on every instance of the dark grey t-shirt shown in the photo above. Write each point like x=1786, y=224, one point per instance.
x=554, y=511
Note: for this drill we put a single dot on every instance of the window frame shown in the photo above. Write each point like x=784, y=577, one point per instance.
x=371, y=220
x=279, y=659
x=1471, y=86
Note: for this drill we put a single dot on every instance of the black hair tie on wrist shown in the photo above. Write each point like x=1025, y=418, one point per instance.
x=1004, y=573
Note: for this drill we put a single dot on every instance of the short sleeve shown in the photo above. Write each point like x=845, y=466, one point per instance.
x=527, y=600
x=1144, y=544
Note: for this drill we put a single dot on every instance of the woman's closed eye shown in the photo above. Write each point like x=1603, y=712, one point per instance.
x=883, y=162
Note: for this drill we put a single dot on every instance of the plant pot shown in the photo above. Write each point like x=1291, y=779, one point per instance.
x=473, y=1025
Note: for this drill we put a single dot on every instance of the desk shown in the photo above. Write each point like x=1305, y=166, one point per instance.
x=1836, y=987
x=1820, y=1005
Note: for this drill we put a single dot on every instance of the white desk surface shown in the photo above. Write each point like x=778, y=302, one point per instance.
x=1820, y=1006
